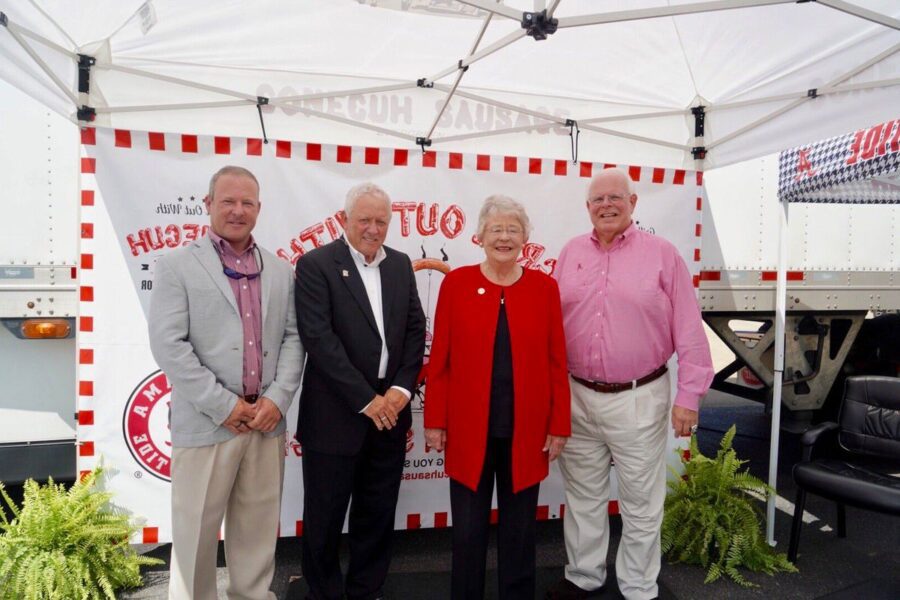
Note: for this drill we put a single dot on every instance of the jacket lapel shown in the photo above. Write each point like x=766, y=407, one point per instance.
x=349, y=274
x=387, y=293
x=265, y=279
x=206, y=254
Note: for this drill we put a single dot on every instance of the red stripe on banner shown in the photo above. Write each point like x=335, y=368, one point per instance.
x=85, y=417
x=189, y=143
x=344, y=154
x=123, y=138
x=710, y=275
x=89, y=136
x=791, y=275
x=86, y=324
x=699, y=203
x=413, y=521
x=87, y=231
x=85, y=388
x=222, y=145
x=157, y=141
x=401, y=158
x=440, y=519
x=150, y=535
x=88, y=165
x=298, y=528
x=429, y=158
x=543, y=512
x=697, y=229
x=679, y=177
x=696, y=280
x=87, y=261
x=560, y=167
x=314, y=152
x=494, y=516
x=613, y=507
x=254, y=147
x=87, y=197
x=534, y=166
x=699, y=177
x=87, y=293
x=696, y=254
x=282, y=149
x=86, y=356
x=483, y=162
x=635, y=173
x=659, y=175
x=608, y=166
x=510, y=164
x=455, y=161
x=86, y=449
x=586, y=169
x=372, y=156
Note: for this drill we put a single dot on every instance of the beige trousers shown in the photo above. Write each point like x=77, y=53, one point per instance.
x=241, y=481
x=631, y=428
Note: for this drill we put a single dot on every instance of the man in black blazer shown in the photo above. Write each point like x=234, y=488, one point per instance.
x=361, y=322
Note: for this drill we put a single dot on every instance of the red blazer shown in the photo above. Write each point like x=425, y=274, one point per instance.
x=458, y=384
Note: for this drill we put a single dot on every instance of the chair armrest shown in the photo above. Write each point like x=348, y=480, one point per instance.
x=811, y=436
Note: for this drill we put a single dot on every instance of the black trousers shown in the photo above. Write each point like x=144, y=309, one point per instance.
x=369, y=482
x=515, y=535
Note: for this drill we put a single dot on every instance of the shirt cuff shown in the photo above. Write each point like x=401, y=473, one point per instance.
x=364, y=408
x=402, y=390
x=687, y=400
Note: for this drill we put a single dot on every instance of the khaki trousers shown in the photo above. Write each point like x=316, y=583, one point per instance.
x=241, y=481
x=630, y=428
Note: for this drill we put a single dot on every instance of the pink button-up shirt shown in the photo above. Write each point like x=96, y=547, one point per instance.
x=627, y=308
x=248, y=293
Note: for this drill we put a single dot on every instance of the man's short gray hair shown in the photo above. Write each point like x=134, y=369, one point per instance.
x=230, y=170
x=498, y=204
x=629, y=182
x=365, y=189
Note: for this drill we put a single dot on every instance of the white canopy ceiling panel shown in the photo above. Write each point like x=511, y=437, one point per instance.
x=751, y=66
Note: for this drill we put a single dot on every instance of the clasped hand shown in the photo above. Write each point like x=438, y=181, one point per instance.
x=385, y=410
x=264, y=416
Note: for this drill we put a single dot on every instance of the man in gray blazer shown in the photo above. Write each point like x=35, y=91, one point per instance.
x=223, y=329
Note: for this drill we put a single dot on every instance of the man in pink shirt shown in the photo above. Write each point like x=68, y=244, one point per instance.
x=628, y=305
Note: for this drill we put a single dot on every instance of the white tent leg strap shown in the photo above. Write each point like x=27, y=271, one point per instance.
x=792, y=105
x=780, y=311
x=663, y=11
x=44, y=66
x=862, y=13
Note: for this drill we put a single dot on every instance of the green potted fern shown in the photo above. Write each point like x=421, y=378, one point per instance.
x=66, y=544
x=711, y=518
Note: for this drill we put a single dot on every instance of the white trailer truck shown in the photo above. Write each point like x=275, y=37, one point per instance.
x=844, y=267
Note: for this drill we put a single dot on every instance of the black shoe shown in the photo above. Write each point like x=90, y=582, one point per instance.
x=566, y=590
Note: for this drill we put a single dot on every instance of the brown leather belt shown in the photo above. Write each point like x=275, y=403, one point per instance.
x=614, y=388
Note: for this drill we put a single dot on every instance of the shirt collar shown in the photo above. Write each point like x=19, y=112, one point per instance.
x=358, y=256
x=226, y=247
x=619, y=239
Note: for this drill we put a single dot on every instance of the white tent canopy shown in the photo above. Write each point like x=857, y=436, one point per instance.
x=768, y=73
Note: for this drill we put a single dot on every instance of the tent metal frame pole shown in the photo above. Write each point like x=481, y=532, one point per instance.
x=635, y=116
x=459, y=75
x=163, y=107
x=664, y=11
x=778, y=377
x=636, y=138
x=552, y=9
x=862, y=13
x=494, y=132
x=840, y=89
x=41, y=40
x=175, y=80
x=383, y=130
x=44, y=66
x=828, y=87
x=501, y=104
x=498, y=45
x=495, y=8
x=352, y=92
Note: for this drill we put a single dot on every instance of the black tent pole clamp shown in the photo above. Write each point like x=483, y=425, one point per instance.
x=574, y=133
x=85, y=113
x=699, y=112
x=260, y=102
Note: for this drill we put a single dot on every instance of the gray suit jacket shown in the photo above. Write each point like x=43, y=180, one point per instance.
x=196, y=337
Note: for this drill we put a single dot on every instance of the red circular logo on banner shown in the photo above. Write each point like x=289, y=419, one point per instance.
x=145, y=425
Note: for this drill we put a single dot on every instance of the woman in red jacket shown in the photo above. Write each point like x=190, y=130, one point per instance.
x=497, y=398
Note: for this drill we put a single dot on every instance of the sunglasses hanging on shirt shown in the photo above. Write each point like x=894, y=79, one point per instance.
x=232, y=274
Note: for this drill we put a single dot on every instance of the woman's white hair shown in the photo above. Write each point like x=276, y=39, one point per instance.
x=365, y=189
x=498, y=204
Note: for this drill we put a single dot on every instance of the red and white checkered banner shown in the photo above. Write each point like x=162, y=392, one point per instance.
x=142, y=195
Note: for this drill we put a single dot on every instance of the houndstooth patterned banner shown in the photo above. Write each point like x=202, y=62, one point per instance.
x=857, y=168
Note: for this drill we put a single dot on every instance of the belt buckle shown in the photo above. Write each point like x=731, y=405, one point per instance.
x=251, y=398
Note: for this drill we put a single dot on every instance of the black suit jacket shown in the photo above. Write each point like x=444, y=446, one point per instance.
x=338, y=330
